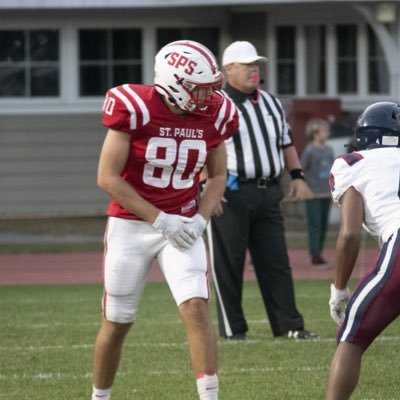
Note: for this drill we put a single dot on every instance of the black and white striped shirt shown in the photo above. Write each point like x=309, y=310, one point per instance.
x=256, y=149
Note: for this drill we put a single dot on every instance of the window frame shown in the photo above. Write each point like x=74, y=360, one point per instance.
x=324, y=58
x=27, y=64
x=69, y=101
x=348, y=60
x=377, y=59
x=354, y=100
x=218, y=54
x=110, y=62
x=288, y=61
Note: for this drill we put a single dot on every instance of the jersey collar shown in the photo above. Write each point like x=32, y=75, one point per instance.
x=240, y=97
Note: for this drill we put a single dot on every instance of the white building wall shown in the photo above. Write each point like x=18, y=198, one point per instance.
x=48, y=165
x=49, y=148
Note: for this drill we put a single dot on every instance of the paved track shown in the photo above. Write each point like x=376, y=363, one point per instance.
x=33, y=269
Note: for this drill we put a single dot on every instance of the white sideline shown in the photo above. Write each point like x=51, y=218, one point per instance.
x=248, y=342
x=55, y=324
x=88, y=375
x=46, y=325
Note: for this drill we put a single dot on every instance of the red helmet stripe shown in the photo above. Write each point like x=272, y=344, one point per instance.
x=203, y=50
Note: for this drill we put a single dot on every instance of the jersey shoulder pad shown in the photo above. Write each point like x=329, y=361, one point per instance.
x=342, y=175
x=352, y=158
x=227, y=119
x=125, y=108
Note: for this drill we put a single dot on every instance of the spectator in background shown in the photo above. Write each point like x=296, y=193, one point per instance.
x=317, y=159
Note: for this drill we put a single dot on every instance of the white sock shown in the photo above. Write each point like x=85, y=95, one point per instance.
x=207, y=386
x=101, y=394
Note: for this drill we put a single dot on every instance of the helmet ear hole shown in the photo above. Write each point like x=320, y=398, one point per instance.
x=396, y=116
x=172, y=99
x=172, y=89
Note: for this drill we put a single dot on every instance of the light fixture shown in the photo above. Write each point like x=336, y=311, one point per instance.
x=386, y=12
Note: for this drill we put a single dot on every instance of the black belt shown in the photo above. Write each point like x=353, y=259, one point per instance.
x=262, y=182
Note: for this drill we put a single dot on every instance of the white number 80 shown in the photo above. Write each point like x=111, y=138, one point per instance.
x=166, y=164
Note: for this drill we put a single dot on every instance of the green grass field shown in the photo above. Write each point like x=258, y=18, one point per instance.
x=47, y=335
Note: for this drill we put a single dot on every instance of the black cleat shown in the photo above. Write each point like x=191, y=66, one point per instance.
x=237, y=336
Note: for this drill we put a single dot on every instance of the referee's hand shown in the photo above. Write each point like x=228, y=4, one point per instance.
x=299, y=190
x=219, y=210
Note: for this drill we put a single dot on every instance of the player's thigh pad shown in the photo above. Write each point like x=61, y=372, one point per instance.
x=130, y=247
x=375, y=302
x=185, y=271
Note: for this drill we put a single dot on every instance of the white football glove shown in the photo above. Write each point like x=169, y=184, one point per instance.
x=197, y=225
x=338, y=296
x=176, y=229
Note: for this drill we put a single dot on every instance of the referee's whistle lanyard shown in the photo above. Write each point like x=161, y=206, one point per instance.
x=255, y=97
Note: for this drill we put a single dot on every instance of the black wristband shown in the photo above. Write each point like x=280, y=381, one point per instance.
x=297, y=173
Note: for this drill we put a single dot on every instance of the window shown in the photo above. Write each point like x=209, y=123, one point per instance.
x=315, y=59
x=346, y=45
x=109, y=58
x=378, y=81
x=286, y=59
x=29, y=63
x=209, y=37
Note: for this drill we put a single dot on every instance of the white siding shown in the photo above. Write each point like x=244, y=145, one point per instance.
x=48, y=165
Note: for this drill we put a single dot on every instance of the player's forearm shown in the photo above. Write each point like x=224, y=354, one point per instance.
x=125, y=195
x=348, y=243
x=347, y=248
x=212, y=194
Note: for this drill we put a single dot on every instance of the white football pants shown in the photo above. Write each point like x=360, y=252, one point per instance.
x=129, y=249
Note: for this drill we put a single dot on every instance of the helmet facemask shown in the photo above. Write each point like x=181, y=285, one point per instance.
x=201, y=97
x=375, y=136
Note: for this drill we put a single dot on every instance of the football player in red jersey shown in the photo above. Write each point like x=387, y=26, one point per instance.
x=159, y=139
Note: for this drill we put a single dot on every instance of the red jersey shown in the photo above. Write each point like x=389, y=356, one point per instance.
x=168, y=151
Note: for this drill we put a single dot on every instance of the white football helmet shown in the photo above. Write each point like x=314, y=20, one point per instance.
x=187, y=74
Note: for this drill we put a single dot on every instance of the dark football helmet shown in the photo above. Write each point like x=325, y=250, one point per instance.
x=378, y=125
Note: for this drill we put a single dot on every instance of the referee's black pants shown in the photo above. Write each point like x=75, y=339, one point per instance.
x=253, y=219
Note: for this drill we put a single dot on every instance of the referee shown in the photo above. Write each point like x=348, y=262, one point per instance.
x=249, y=215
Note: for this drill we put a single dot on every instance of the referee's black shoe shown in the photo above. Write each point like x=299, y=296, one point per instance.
x=237, y=336
x=302, y=334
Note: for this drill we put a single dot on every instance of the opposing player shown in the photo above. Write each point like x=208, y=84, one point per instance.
x=366, y=184
x=158, y=141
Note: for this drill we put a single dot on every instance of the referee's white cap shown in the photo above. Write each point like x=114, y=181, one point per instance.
x=241, y=52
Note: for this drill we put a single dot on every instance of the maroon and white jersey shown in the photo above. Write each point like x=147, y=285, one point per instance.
x=168, y=151
x=374, y=174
